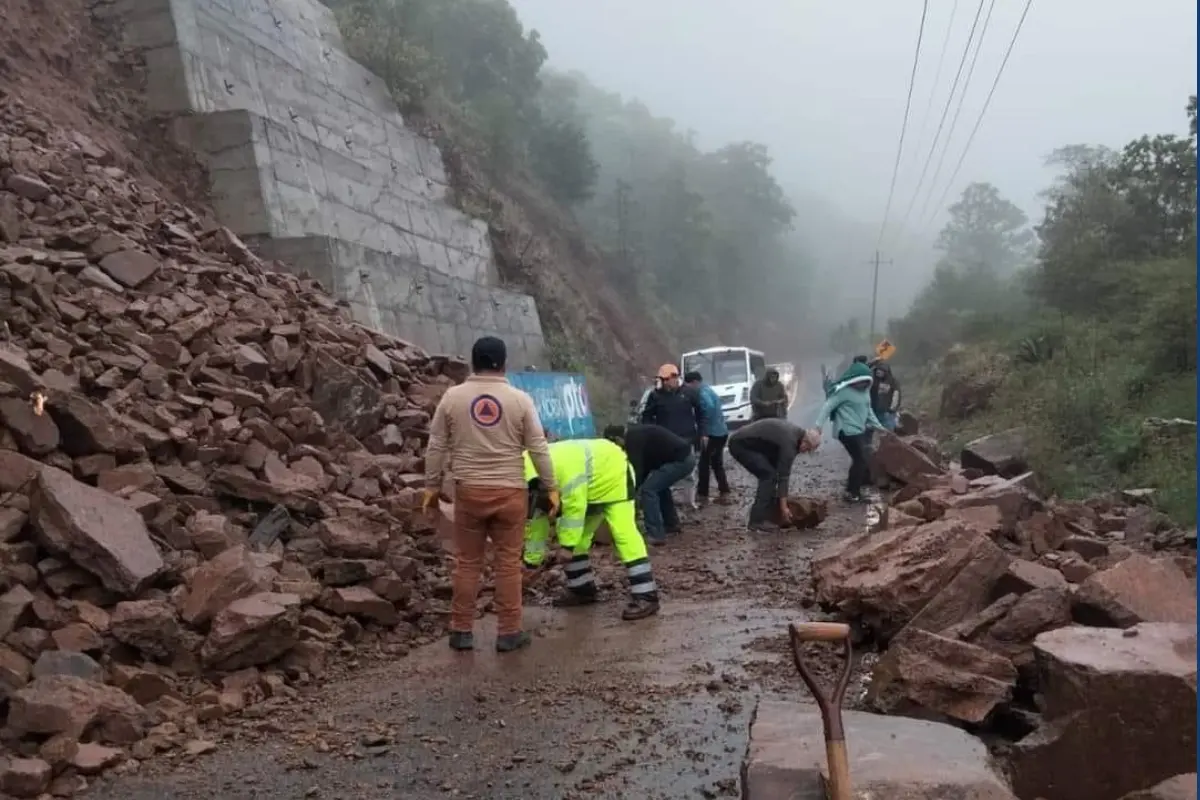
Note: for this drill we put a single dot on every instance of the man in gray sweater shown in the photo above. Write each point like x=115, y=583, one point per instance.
x=767, y=448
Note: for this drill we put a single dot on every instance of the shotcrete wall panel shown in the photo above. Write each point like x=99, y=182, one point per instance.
x=311, y=161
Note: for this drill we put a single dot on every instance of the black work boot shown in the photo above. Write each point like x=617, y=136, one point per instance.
x=640, y=607
x=462, y=640
x=573, y=599
x=513, y=641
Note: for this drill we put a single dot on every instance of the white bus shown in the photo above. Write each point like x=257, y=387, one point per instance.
x=730, y=371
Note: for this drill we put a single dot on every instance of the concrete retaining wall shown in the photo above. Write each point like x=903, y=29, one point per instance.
x=311, y=162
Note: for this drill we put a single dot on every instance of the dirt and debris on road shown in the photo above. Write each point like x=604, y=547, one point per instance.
x=596, y=708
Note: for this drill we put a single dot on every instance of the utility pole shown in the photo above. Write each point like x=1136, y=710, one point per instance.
x=875, y=293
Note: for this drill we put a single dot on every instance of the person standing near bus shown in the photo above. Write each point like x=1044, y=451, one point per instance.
x=712, y=456
x=768, y=397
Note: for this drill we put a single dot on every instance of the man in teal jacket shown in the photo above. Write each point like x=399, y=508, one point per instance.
x=848, y=408
x=712, y=454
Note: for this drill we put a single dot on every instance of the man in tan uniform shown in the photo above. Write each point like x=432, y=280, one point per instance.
x=479, y=434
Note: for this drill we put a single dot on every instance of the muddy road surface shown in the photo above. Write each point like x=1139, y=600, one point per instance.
x=596, y=708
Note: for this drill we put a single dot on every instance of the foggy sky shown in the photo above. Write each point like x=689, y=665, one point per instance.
x=823, y=84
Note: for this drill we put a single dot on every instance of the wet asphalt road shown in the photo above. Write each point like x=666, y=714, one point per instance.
x=597, y=708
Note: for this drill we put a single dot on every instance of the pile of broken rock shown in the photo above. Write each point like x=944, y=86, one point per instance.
x=1063, y=632
x=208, y=474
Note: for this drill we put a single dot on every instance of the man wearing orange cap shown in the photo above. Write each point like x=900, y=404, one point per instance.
x=680, y=410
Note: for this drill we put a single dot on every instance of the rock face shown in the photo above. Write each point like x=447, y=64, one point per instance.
x=98, y=531
x=1109, y=691
x=890, y=757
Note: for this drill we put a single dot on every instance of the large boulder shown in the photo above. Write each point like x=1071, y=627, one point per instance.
x=886, y=578
x=1004, y=453
x=923, y=674
x=230, y=576
x=900, y=461
x=98, y=531
x=74, y=706
x=253, y=630
x=1138, y=589
x=1119, y=709
x=890, y=757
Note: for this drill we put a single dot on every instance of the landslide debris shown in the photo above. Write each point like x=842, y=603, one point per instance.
x=208, y=474
x=1061, y=631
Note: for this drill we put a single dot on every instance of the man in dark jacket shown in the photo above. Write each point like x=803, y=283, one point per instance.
x=676, y=407
x=885, y=394
x=660, y=459
x=767, y=449
x=768, y=397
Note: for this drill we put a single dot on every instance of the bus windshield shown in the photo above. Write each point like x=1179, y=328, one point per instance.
x=719, y=369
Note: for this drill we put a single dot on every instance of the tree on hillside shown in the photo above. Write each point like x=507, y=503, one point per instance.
x=1109, y=210
x=984, y=244
x=985, y=233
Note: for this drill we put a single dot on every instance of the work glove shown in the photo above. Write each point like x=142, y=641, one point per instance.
x=429, y=500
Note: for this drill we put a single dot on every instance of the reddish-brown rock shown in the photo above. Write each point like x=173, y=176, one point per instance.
x=253, y=630
x=1003, y=453
x=96, y=530
x=359, y=601
x=885, y=579
x=1119, y=710
x=923, y=674
x=899, y=460
x=1138, y=589
x=150, y=626
x=230, y=576
x=25, y=777
x=65, y=704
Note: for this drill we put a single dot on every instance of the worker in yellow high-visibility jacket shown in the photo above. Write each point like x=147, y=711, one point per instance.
x=596, y=484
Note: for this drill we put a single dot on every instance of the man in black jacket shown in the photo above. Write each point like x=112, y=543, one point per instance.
x=676, y=407
x=660, y=459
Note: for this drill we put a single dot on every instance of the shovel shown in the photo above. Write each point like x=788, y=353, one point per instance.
x=830, y=704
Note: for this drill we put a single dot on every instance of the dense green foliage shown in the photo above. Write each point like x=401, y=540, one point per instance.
x=1095, y=317
x=696, y=235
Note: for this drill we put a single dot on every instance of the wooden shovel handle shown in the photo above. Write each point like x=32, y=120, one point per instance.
x=830, y=703
x=820, y=631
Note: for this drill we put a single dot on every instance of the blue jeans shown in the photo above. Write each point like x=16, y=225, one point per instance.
x=658, y=507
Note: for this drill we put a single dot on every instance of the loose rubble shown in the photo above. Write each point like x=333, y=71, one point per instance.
x=205, y=468
x=1064, y=631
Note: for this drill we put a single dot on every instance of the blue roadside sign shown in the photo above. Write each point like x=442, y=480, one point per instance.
x=561, y=400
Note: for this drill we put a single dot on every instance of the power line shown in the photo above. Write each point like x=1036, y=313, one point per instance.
x=957, y=111
x=937, y=73
x=912, y=80
x=979, y=121
x=962, y=62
